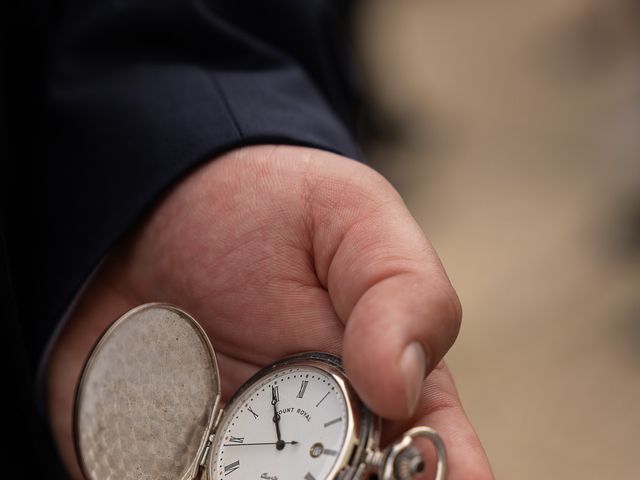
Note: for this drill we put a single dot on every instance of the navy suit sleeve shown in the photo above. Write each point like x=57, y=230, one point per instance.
x=138, y=92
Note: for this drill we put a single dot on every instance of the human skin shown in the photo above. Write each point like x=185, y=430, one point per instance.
x=278, y=250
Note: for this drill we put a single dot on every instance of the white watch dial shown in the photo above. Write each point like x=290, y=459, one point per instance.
x=301, y=438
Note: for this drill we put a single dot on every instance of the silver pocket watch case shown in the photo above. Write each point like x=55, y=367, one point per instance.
x=149, y=400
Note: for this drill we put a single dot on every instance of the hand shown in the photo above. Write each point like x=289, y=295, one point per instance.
x=292, y=442
x=305, y=250
x=276, y=418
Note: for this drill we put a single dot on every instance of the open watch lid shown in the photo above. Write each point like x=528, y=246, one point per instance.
x=147, y=398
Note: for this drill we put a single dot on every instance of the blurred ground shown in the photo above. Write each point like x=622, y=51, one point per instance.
x=519, y=153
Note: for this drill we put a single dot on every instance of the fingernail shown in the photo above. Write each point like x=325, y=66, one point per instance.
x=413, y=364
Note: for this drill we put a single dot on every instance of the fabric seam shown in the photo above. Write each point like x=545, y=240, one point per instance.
x=227, y=105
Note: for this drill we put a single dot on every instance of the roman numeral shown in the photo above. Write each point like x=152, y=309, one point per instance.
x=303, y=388
x=255, y=415
x=232, y=467
x=233, y=439
x=325, y=396
x=331, y=422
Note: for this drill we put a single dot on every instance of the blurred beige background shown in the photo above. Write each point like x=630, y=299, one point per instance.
x=518, y=151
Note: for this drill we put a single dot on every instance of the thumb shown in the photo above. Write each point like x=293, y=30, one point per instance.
x=388, y=286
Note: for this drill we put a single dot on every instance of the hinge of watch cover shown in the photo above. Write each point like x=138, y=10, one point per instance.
x=204, y=455
x=205, y=452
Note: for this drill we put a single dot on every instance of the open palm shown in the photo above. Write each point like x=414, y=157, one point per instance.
x=279, y=250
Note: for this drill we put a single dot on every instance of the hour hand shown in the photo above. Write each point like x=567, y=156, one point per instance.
x=276, y=417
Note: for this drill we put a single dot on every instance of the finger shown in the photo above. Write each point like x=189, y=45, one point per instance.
x=441, y=409
x=388, y=286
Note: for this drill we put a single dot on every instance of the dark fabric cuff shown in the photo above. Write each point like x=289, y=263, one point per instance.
x=118, y=142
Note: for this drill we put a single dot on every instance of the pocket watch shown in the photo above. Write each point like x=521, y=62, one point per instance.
x=148, y=406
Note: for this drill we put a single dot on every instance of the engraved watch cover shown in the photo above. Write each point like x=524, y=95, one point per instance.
x=147, y=397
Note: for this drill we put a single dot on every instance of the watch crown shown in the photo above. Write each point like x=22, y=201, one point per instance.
x=409, y=463
x=403, y=460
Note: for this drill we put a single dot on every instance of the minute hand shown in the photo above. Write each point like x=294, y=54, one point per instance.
x=293, y=442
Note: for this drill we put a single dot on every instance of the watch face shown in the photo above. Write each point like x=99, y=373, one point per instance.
x=293, y=423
